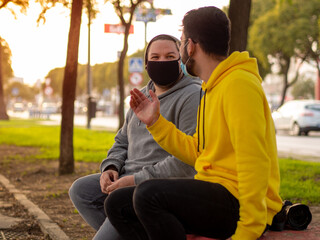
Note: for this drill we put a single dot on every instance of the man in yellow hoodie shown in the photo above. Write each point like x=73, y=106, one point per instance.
x=235, y=193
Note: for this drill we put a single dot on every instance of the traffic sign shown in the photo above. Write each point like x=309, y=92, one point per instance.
x=135, y=65
x=116, y=28
x=136, y=78
x=15, y=91
x=145, y=15
x=150, y=14
x=48, y=90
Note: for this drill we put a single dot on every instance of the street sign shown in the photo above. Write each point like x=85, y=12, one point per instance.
x=116, y=28
x=136, y=78
x=145, y=15
x=135, y=65
x=15, y=91
x=48, y=90
x=150, y=14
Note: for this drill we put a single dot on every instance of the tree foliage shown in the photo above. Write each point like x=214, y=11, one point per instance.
x=104, y=76
x=25, y=92
x=288, y=30
x=7, y=71
x=303, y=89
x=5, y=54
x=8, y=5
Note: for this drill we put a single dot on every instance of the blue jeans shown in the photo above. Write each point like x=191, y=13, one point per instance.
x=85, y=194
x=169, y=209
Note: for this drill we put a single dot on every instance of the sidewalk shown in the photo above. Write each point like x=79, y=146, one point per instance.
x=48, y=227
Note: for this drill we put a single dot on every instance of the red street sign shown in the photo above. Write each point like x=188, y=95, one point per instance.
x=116, y=28
x=136, y=78
x=48, y=90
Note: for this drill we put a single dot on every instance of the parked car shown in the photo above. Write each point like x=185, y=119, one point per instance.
x=49, y=108
x=18, y=107
x=298, y=116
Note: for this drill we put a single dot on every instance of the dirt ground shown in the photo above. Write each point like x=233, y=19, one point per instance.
x=39, y=181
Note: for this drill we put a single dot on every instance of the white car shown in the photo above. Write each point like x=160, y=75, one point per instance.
x=49, y=108
x=298, y=116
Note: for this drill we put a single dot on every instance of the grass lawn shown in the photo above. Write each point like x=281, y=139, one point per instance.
x=89, y=145
x=300, y=180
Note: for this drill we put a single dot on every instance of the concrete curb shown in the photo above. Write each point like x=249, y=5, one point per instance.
x=47, y=226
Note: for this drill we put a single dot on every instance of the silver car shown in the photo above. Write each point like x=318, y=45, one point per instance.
x=298, y=116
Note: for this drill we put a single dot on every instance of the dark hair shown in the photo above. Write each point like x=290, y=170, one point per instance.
x=160, y=37
x=210, y=27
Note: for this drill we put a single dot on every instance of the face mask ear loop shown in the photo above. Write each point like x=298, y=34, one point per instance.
x=187, y=53
x=179, y=59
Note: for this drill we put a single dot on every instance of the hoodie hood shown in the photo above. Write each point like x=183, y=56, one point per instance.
x=237, y=60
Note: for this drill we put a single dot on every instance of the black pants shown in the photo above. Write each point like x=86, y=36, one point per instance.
x=171, y=208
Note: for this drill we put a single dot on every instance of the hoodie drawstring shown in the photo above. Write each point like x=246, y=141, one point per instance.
x=203, y=118
x=204, y=105
x=199, y=118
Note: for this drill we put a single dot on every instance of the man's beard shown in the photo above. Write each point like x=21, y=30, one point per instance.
x=189, y=64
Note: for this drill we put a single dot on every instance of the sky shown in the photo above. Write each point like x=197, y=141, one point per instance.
x=38, y=49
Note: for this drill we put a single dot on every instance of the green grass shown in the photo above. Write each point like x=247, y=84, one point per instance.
x=89, y=145
x=300, y=181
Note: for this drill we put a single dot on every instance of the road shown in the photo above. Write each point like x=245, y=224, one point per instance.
x=101, y=121
x=297, y=147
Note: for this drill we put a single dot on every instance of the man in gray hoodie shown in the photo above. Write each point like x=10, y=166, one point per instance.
x=135, y=156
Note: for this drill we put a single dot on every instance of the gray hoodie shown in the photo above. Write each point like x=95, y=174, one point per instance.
x=136, y=153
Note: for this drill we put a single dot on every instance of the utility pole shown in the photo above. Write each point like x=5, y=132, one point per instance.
x=89, y=80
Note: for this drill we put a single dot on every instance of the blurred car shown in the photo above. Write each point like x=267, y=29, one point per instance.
x=49, y=108
x=298, y=116
x=18, y=107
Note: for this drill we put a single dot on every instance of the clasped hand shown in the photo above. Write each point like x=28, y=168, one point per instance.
x=146, y=110
x=109, y=181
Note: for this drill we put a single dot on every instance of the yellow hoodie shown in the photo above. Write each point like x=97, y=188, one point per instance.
x=236, y=129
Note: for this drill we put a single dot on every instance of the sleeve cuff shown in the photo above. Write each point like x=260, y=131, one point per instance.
x=242, y=233
x=110, y=162
x=155, y=127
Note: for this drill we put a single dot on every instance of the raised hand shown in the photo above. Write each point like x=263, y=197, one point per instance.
x=147, y=111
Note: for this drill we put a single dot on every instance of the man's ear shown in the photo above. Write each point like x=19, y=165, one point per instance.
x=191, y=47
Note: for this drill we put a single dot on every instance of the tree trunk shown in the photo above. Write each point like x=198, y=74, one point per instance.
x=3, y=111
x=285, y=71
x=239, y=15
x=317, y=87
x=120, y=75
x=317, y=83
x=66, y=160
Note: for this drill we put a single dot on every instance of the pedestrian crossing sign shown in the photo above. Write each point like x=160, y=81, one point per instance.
x=135, y=65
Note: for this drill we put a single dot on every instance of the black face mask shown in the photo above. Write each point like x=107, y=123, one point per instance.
x=163, y=73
